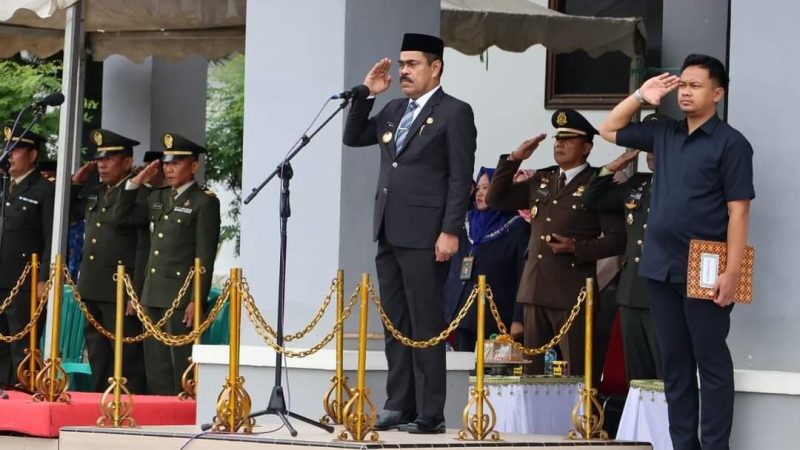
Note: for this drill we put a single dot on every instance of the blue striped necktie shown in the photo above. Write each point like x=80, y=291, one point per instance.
x=405, y=124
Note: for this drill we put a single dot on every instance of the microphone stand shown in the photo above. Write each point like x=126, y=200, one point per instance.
x=284, y=171
x=4, y=183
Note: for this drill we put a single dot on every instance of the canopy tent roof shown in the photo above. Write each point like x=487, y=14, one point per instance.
x=175, y=29
x=133, y=28
x=472, y=26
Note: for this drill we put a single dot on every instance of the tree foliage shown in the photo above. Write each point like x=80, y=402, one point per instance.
x=224, y=136
x=21, y=83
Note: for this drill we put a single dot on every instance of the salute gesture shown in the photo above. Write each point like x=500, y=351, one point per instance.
x=525, y=150
x=656, y=88
x=146, y=174
x=82, y=174
x=378, y=78
x=622, y=161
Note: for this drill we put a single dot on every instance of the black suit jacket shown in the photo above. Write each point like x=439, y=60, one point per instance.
x=425, y=189
x=28, y=228
x=632, y=197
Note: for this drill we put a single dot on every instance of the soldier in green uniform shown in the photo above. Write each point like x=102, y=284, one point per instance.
x=184, y=223
x=107, y=243
x=567, y=237
x=642, y=356
x=27, y=228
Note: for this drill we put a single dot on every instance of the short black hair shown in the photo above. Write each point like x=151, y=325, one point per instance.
x=716, y=70
x=431, y=57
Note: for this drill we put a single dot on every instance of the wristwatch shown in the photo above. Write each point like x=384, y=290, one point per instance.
x=638, y=96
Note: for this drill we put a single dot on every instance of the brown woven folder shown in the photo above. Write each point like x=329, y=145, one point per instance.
x=713, y=253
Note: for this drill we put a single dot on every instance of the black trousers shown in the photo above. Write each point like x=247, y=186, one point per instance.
x=691, y=334
x=101, y=349
x=411, y=287
x=164, y=365
x=640, y=344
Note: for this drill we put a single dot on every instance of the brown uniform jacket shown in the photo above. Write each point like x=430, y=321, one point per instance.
x=548, y=279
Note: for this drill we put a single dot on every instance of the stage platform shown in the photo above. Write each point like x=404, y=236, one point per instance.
x=266, y=436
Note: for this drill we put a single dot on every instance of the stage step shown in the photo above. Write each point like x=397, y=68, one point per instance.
x=310, y=438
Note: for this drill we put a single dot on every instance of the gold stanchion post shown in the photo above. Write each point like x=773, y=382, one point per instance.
x=190, y=375
x=588, y=425
x=117, y=412
x=32, y=364
x=233, y=403
x=359, y=423
x=333, y=402
x=52, y=380
x=479, y=426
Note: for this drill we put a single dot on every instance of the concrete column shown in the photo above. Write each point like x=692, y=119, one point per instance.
x=298, y=54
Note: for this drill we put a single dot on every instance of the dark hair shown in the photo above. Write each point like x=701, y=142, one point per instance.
x=716, y=70
x=431, y=57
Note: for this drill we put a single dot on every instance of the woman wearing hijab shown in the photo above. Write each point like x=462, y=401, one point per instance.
x=494, y=245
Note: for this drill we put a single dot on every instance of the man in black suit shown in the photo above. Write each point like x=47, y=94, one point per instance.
x=427, y=145
x=27, y=229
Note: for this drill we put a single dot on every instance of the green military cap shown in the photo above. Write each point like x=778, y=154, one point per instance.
x=108, y=143
x=570, y=123
x=151, y=155
x=178, y=147
x=29, y=140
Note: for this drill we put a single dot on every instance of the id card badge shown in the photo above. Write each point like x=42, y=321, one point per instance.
x=466, y=268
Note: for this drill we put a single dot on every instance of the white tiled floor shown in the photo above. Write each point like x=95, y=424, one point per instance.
x=175, y=437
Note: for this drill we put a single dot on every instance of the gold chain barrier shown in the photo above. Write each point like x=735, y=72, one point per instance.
x=408, y=342
x=132, y=339
x=358, y=422
x=553, y=342
x=17, y=286
x=34, y=317
x=32, y=363
x=479, y=426
x=116, y=412
x=262, y=327
x=333, y=402
x=52, y=381
x=191, y=374
x=588, y=425
x=174, y=340
x=233, y=403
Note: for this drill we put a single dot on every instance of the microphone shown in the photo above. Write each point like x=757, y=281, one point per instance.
x=54, y=99
x=359, y=92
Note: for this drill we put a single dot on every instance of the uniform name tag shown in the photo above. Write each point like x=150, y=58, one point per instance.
x=29, y=200
x=181, y=209
x=91, y=197
x=466, y=268
x=157, y=206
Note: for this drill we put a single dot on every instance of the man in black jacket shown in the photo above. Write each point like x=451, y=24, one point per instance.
x=427, y=144
x=27, y=229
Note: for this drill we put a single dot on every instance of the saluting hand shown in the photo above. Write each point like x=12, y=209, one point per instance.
x=83, y=173
x=378, y=78
x=147, y=174
x=561, y=244
x=656, y=88
x=525, y=150
x=622, y=161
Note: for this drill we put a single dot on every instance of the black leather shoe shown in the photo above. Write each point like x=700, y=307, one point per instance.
x=426, y=425
x=393, y=420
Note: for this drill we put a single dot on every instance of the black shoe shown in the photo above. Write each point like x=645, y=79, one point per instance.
x=393, y=420
x=426, y=425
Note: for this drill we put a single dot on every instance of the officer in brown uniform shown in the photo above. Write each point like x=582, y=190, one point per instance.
x=567, y=238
